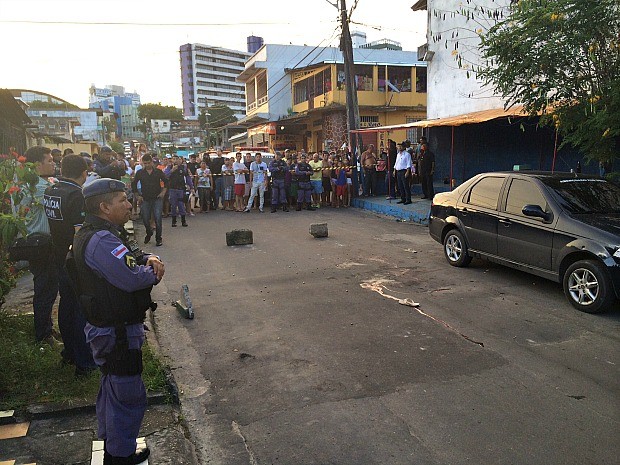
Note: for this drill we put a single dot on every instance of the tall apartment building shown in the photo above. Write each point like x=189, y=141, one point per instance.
x=125, y=104
x=209, y=77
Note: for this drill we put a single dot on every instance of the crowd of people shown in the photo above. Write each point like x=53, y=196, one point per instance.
x=171, y=186
x=401, y=165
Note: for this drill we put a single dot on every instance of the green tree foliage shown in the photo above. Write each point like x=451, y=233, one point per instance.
x=220, y=116
x=561, y=60
x=117, y=147
x=151, y=111
x=109, y=124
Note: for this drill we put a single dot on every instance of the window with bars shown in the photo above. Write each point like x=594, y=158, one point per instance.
x=414, y=134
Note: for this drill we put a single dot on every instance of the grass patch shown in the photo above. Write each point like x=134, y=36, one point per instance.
x=32, y=373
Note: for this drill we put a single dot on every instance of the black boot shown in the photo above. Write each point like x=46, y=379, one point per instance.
x=183, y=222
x=174, y=221
x=284, y=208
x=274, y=209
x=298, y=206
x=134, y=459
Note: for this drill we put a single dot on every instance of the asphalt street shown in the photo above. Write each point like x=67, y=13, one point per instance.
x=314, y=351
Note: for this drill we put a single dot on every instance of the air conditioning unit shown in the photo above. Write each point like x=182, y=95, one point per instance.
x=424, y=54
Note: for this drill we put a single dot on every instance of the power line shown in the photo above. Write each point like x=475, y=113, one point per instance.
x=131, y=23
x=271, y=100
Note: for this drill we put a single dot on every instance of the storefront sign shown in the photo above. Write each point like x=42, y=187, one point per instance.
x=267, y=128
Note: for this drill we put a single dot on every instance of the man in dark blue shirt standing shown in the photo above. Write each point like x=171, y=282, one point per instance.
x=153, y=186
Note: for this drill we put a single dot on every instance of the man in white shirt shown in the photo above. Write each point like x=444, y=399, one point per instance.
x=258, y=179
x=402, y=172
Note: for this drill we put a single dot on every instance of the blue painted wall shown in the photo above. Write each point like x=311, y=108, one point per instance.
x=498, y=145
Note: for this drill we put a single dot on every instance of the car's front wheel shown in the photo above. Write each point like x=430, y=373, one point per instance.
x=588, y=287
x=455, y=248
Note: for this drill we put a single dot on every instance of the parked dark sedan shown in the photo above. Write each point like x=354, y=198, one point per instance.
x=562, y=226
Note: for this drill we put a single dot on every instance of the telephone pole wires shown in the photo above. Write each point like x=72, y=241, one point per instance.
x=353, y=110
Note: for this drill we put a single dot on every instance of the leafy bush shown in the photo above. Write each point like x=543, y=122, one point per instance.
x=17, y=179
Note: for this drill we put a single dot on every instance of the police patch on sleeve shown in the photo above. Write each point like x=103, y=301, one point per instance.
x=120, y=251
x=130, y=261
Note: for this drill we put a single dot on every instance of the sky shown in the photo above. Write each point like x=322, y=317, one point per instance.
x=62, y=47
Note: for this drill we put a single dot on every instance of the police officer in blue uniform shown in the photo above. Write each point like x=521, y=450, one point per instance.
x=64, y=207
x=303, y=170
x=278, y=169
x=115, y=279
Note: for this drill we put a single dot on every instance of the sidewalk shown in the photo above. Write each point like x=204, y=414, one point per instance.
x=416, y=212
x=61, y=434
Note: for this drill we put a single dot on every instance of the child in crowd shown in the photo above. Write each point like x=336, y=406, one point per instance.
x=341, y=184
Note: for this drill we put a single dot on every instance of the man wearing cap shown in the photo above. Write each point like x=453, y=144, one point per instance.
x=64, y=207
x=278, y=169
x=114, y=280
x=107, y=166
x=304, y=191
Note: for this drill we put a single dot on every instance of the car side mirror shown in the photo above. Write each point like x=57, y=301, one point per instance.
x=536, y=211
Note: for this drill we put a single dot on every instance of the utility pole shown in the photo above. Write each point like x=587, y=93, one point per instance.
x=353, y=110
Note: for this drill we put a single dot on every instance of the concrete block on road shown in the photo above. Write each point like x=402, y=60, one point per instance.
x=239, y=237
x=318, y=229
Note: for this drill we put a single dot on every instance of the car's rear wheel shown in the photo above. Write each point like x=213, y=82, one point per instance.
x=455, y=249
x=587, y=286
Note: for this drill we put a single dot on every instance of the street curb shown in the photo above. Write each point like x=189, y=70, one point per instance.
x=62, y=409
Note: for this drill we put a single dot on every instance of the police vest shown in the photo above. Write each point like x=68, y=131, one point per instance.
x=281, y=166
x=104, y=304
x=304, y=175
x=64, y=206
x=177, y=178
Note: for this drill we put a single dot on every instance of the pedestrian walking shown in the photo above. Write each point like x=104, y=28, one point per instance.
x=150, y=198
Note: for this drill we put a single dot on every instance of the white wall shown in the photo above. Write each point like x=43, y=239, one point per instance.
x=450, y=92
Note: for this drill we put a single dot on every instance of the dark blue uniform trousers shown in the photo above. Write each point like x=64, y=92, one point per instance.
x=121, y=401
x=278, y=192
x=304, y=191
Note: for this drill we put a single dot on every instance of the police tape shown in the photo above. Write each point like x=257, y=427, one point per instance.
x=347, y=168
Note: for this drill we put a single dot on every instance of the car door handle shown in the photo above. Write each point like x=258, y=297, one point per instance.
x=505, y=221
x=464, y=211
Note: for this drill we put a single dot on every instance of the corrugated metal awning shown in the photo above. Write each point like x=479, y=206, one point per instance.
x=419, y=5
x=459, y=120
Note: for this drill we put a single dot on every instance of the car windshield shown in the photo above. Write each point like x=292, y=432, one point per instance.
x=585, y=195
